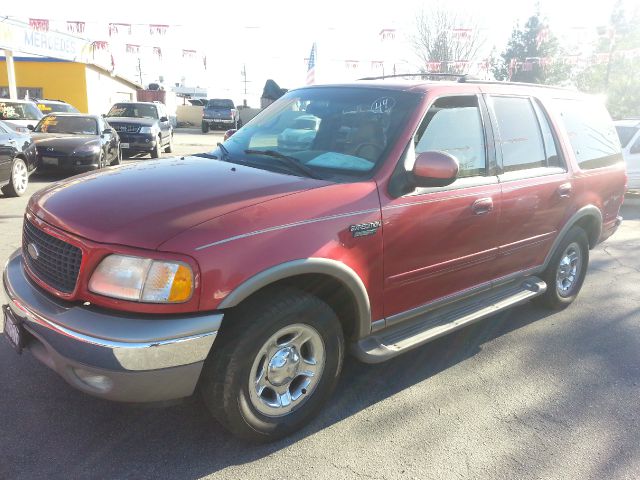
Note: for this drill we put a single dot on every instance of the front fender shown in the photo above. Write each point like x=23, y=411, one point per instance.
x=323, y=266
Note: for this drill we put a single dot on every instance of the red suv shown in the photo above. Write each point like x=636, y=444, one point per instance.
x=416, y=209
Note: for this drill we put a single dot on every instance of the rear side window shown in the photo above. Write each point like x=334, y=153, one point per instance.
x=591, y=132
x=625, y=134
x=519, y=134
x=454, y=125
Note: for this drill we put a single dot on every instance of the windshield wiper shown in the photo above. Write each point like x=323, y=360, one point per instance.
x=290, y=161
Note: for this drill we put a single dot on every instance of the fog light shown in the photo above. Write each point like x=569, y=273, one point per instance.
x=101, y=383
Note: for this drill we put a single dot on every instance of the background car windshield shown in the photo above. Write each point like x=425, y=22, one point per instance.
x=333, y=131
x=220, y=104
x=625, y=134
x=19, y=111
x=57, y=107
x=135, y=110
x=58, y=124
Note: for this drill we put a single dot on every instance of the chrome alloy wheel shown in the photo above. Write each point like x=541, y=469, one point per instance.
x=286, y=370
x=568, y=269
x=19, y=177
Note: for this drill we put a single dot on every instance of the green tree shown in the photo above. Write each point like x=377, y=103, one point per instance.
x=536, y=53
x=618, y=77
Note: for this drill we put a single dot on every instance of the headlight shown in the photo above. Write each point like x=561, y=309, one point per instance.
x=89, y=149
x=147, y=129
x=142, y=279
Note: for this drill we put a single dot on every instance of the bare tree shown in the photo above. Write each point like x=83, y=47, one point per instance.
x=446, y=37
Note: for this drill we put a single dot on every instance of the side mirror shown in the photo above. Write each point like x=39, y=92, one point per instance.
x=229, y=133
x=107, y=131
x=435, y=169
x=164, y=119
x=31, y=127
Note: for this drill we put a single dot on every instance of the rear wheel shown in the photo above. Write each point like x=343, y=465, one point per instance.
x=19, y=179
x=275, y=363
x=566, y=271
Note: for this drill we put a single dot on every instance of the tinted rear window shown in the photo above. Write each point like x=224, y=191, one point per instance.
x=216, y=103
x=593, y=137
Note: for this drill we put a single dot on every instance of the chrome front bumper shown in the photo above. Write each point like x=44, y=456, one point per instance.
x=136, y=358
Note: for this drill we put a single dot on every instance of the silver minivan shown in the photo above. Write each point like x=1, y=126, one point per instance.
x=629, y=133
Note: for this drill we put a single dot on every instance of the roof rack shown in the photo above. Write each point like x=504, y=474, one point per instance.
x=461, y=77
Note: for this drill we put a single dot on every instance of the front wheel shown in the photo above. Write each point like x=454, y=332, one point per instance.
x=19, y=179
x=275, y=363
x=156, y=152
x=205, y=127
x=169, y=147
x=566, y=270
x=118, y=159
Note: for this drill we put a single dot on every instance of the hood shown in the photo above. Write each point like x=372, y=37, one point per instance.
x=62, y=143
x=21, y=123
x=131, y=121
x=144, y=204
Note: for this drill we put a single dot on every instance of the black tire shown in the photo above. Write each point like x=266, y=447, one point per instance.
x=169, y=147
x=239, y=124
x=18, y=182
x=101, y=161
x=227, y=372
x=118, y=159
x=205, y=127
x=156, y=152
x=555, y=298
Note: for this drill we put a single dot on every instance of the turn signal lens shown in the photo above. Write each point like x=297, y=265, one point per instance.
x=182, y=285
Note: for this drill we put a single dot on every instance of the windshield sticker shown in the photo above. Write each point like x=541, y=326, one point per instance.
x=383, y=105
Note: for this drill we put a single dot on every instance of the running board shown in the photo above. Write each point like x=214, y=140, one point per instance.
x=388, y=343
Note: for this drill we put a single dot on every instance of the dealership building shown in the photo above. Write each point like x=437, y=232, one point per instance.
x=89, y=88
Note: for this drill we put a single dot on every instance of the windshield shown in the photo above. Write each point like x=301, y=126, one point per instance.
x=59, y=124
x=216, y=103
x=134, y=110
x=19, y=111
x=626, y=134
x=337, y=132
x=56, y=107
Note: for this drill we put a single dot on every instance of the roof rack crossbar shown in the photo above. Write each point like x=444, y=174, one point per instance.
x=460, y=76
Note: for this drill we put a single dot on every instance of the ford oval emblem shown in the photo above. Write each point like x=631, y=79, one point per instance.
x=33, y=251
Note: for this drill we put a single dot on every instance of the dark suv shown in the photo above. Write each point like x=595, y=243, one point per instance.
x=220, y=113
x=143, y=127
x=411, y=210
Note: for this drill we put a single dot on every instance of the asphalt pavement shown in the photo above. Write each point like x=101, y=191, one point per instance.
x=525, y=394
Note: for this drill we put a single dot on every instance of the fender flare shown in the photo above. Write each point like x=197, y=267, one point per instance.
x=323, y=266
x=586, y=211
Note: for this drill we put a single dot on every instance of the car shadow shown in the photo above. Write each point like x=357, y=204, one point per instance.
x=85, y=435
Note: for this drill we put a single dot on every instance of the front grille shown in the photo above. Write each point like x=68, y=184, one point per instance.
x=126, y=128
x=57, y=263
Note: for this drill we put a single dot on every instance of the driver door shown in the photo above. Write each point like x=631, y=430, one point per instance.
x=442, y=241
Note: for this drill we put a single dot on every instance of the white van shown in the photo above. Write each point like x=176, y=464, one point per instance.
x=629, y=134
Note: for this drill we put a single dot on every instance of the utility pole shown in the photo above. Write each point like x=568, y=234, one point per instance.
x=139, y=71
x=244, y=77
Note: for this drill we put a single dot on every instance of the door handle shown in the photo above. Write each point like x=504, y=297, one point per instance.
x=564, y=190
x=482, y=206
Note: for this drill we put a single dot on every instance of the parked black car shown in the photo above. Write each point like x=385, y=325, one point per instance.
x=18, y=160
x=221, y=113
x=55, y=106
x=73, y=141
x=142, y=126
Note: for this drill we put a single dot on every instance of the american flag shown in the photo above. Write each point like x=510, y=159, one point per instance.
x=311, y=66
